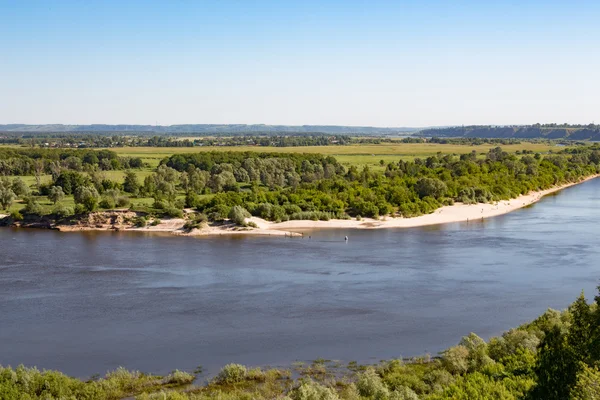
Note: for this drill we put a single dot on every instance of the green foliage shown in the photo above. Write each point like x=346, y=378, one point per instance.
x=131, y=183
x=238, y=215
x=20, y=188
x=587, y=386
x=62, y=211
x=310, y=390
x=231, y=374
x=56, y=194
x=7, y=196
x=32, y=207
x=88, y=197
x=178, y=377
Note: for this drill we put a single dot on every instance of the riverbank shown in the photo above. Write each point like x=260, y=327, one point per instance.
x=455, y=213
x=121, y=220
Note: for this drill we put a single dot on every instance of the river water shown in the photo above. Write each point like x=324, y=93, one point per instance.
x=85, y=303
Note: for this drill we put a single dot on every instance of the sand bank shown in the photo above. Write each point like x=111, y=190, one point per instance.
x=455, y=213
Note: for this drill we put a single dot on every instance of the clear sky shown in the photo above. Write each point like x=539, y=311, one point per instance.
x=378, y=63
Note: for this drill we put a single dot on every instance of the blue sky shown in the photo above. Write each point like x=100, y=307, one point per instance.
x=380, y=63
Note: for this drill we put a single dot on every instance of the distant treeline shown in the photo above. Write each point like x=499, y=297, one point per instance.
x=206, y=129
x=36, y=161
x=537, y=131
x=93, y=140
x=99, y=141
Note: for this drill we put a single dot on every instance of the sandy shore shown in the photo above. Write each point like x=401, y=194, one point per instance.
x=175, y=226
x=455, y=213
x=114, y=220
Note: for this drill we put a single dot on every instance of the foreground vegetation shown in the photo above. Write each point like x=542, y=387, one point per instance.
x=555, y=357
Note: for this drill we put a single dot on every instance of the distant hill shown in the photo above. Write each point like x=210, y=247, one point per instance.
x=573, y=132
x=207, y=129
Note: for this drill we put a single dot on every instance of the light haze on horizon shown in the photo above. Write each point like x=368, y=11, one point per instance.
x=365, y=63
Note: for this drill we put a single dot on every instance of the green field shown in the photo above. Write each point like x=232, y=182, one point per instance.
x=359, y=155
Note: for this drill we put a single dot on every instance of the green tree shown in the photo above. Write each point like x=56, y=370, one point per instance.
x=7, y=196
x=131, y=183
x=580, y=331
x=88, y=197
x=19, y=187
x=56, y=194
x=556, y=368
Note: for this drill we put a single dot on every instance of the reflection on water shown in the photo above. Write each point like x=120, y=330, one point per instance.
x=88, y=302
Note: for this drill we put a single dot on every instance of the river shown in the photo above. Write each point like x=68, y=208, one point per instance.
x=85, y=303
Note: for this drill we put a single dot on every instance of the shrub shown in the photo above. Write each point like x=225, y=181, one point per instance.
x=62, y=211
x=232, y=374
x=510, y=342
x=238, y=215
x=369, y=384
x=87, y=196
x=122, y=201
x=310, y=390
x=16, y=216
x=33, y=207
x=140, y=222
x=403, y=393
x=173, y=212
x=179, y=378
x=107, y=202
x=455, y=360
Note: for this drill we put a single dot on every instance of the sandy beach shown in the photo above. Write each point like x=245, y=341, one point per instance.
x=455, y=213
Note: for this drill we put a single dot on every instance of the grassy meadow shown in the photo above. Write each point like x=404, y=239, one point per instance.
x=359, y=154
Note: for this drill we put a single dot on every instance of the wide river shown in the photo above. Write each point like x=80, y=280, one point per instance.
x=85, y=303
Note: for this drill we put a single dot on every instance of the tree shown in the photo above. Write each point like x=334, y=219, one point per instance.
x=431, y=187
x=222, y=181
x=56, y=194
x=88, y=197
x=131, y=183
x=20, y=188
x=556, y=368
x=7, y=196
x=580, y=331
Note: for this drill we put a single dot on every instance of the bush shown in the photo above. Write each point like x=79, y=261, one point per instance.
x=173, y=212
x=179, y=378
x=16, y=216
x=87, y=196
x=232, y=374
x=122, y=201
x=79, y=209
x=403, y=393
x=62, y=211
x=140, y=222
x=455, y=360
x=238, y=215
x=107, y=203
x=369, y=384
x=33, y=207
x=309, y=390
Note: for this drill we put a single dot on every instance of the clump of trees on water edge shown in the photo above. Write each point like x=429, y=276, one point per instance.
x=554, y=357
x=279, y=187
